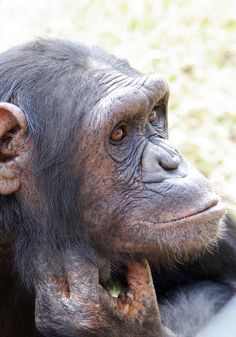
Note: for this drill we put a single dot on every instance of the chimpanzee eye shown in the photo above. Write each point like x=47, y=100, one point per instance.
x=118, y=134
x=152, y=116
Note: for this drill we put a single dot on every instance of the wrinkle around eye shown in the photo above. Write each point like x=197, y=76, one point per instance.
x=128, y=152
x=161, y=133
x=157, y=133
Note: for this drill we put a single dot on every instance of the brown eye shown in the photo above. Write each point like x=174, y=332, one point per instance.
x=118, y=134
x=152, y=116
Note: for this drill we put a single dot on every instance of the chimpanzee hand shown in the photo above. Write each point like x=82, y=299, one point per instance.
x=80, y=307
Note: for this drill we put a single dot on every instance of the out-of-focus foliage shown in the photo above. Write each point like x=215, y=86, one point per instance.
x=193, y=43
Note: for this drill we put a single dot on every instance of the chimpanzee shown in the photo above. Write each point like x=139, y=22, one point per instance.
x=91, y=189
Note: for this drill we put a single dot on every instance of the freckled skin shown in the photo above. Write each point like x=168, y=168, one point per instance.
x=77, y=201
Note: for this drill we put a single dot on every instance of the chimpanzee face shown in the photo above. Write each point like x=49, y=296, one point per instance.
x=139, y=194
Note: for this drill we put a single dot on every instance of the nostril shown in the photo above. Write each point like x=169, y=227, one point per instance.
x=169, y=162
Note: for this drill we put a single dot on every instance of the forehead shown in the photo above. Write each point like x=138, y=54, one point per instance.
x=124, y=96
x=112, y=91
x=112, y=81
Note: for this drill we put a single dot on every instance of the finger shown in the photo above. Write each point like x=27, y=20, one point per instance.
x=139, y=274
x=82, y=275
x=140, y=280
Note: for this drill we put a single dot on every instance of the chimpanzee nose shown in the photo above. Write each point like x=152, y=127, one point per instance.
x=169, y=162
x=160, y=156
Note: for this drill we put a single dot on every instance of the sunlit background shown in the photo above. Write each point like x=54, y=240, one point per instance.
x=192, y=43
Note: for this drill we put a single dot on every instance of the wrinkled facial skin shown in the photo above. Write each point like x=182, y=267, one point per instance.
x=146, y=197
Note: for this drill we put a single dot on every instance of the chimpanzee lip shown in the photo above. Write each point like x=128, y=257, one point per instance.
x=209, y=216
x=215, y=210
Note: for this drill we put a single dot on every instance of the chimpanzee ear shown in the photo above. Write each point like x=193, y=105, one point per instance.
x=13, y=129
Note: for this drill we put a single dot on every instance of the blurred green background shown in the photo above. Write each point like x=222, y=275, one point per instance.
x=191, y=43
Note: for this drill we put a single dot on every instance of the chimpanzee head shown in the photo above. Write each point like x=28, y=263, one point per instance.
x=85, y=159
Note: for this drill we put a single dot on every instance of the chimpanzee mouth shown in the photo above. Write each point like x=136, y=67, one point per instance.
x=212, y=212
x=201, y=229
